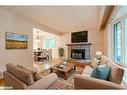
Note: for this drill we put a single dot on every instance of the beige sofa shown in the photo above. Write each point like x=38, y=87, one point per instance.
x=19, y=78
x=85, y=81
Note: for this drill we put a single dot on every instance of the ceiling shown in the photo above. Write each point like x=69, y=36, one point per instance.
x=60, y=18
x=41, y=33
x=122, y=11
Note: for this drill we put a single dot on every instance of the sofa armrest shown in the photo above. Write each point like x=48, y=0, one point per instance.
x=12, y=81
x=45, y=82
x=86, y=82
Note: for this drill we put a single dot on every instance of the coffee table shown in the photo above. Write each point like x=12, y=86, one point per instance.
x=64, y=70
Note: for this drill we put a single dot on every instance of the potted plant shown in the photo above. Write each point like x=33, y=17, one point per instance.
x=61, y=52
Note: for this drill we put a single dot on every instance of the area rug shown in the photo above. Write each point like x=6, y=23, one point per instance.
x=65, y=84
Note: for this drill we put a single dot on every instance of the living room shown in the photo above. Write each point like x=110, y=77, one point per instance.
x=62, y=23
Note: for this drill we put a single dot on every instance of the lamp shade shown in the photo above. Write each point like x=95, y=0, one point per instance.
x=98, y=53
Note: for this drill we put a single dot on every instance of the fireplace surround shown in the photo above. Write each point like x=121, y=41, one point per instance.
x=79, y=51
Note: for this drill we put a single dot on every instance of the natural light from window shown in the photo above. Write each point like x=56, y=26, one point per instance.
x=117, y=42
x=50, y=43
x=125, y=76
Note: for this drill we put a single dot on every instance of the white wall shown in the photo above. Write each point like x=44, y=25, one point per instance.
x=94, y=36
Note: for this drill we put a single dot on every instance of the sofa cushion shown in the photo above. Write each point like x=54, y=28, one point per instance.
x=34, y=73
x=45, y=82
x=27, y=69
x=20, y=73
x=87, y=71
x=116, y=74
x=94, y=63
x=101, y=72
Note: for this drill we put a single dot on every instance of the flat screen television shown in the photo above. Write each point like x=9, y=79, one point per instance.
x=78, y=37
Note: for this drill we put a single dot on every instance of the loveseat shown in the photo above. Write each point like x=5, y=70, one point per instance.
x=85, y=81
x=18, y=78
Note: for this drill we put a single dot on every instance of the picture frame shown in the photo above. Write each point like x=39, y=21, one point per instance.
x=16, y=41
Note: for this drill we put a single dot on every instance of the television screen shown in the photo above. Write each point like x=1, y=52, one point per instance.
x=16, y=41
x=78, y=37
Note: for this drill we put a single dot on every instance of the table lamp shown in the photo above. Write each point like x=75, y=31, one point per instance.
x=98, y=55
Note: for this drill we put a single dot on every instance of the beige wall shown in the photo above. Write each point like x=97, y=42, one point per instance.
x=94, y=36
x=10, y=22
x=58, y=44
x=105, y=41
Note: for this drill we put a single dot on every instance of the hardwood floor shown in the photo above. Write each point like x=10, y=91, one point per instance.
x=43, y=66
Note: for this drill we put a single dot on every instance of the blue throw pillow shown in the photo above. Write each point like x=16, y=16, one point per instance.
x=101, y=72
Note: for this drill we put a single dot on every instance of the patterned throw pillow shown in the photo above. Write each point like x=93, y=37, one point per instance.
x=103, y=61
x=94, y=63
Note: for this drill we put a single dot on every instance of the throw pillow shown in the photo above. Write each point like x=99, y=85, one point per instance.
x=101, y=72
x=94, y=63
x=37, y=77
x=103, y=61
x=26, y=69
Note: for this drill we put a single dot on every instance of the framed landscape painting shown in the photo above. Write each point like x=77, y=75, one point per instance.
x=16, y=41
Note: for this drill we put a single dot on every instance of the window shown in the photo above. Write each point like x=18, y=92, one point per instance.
x=117, y=42
x=126, y=42
x=50, y=43
x=125, y=76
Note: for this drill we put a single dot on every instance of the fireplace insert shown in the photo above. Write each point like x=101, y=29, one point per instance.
x=78, y=54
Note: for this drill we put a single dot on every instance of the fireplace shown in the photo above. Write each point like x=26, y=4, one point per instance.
x=78, y=53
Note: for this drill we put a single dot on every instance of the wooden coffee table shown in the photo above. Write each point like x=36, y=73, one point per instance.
x=65, y=71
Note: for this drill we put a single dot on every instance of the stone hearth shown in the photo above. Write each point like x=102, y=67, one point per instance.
x=82, y=51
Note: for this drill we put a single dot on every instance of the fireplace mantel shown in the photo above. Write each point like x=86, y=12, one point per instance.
x=71, y=44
